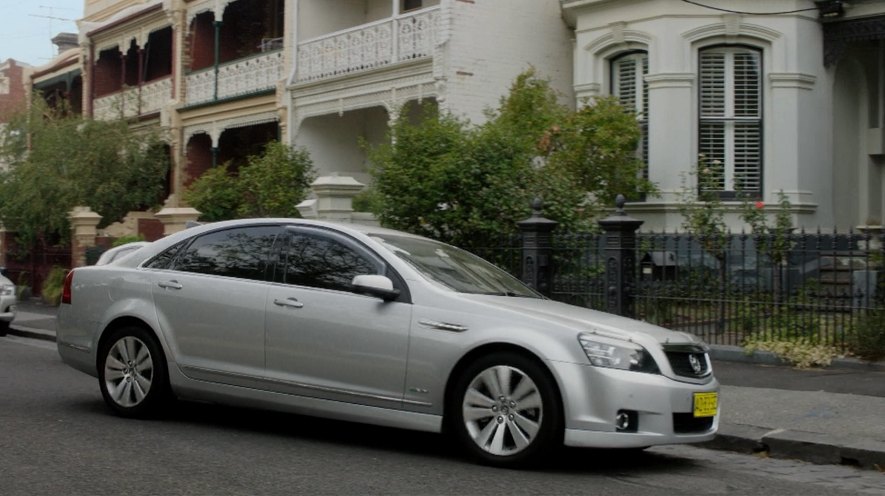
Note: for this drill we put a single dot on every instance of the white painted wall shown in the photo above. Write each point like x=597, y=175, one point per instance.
x=492, y=41
x=797, y=90
x=316, y=18
x=333, y=141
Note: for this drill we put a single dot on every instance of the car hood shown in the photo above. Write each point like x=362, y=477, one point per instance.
x=584, y=319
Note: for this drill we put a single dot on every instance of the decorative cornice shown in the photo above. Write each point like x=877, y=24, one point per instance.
x=792, y=80
x=389, y=87
x=217, y=7
x=838, y=35
x=391, y=97
x=215, y=128
x=588, y=89
x=138, y=29
x=618, y=37
x=731, y=27
x=670, y=80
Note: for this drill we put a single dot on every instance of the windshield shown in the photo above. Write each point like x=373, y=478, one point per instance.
x=454, y=268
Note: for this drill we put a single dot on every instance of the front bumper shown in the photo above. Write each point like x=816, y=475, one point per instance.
x=7, y=308
x=662, y=407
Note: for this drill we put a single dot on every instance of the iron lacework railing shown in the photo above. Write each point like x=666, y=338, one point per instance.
x=820, y=289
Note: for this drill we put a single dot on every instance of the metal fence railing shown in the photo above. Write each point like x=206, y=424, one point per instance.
x=812, y=285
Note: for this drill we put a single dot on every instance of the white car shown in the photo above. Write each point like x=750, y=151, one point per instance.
x=119, y=252
x=8, y=303
x=378, y=326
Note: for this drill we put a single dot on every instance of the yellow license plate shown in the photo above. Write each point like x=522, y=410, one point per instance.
x=705, y=404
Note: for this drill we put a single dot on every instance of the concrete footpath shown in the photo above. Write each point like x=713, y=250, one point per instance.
x=834, y=415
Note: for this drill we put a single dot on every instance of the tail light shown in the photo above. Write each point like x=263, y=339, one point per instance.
x=66, y=289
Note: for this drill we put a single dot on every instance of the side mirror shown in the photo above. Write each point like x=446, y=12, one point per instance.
x=375, y=285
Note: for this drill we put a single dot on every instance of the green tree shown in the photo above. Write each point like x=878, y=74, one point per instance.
x=215, y=194
x=464, y=184
x=57, y=160
x=269, y=184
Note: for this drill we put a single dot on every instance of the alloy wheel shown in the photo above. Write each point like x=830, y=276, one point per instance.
x=128, y=371
x=502, y=410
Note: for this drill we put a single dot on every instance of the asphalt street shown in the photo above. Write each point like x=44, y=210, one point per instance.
x=57, y=437
x=827, y=416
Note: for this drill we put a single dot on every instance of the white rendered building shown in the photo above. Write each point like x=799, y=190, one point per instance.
x=785, y=95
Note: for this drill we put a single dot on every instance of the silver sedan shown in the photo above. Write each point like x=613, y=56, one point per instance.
x=378, y=326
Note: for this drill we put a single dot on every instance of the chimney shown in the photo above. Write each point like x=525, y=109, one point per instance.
x=65, y=41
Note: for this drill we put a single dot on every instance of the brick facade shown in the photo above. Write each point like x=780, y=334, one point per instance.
x=13, y=94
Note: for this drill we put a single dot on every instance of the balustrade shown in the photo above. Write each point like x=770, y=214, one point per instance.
x=132, y=102
x=406, y=37
x=240, y=77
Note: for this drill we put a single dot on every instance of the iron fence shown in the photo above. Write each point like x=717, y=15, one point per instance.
x=812, y=285
x=818, y=287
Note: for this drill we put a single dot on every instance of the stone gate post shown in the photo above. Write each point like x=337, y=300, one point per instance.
x=83, y=232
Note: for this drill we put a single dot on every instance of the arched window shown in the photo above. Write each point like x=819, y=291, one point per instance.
x=628, y=73
x=730, y=103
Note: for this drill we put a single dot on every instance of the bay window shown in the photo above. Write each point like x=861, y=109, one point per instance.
x=730, y=128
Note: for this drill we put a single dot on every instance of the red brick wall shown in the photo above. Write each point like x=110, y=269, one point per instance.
x=202, y=42
x=199, y=157
x=15, y=100
x=108, y=73
x=150, y=229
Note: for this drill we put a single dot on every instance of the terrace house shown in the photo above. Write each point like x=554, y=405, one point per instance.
x=778, y=95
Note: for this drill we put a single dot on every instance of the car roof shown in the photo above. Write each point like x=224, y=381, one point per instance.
x=357, y=230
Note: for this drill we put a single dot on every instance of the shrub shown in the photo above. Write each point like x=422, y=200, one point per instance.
x=270, y=184
x=129, y=238
x=801, y=352
x=52, y=285
x=465, y=184
x=868, y=339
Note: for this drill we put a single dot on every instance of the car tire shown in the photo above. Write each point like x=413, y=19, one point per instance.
x=132, y=373
x=4, y=327
x=506, y=410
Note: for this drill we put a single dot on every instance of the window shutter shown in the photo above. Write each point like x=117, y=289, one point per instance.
x=625, y=81
x=712, y=141
x=730, y=131
x=747, y=159
x=746, y=84
x=628, y=84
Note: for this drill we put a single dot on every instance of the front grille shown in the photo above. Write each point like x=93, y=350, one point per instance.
x=689, y=363
x=687, y=423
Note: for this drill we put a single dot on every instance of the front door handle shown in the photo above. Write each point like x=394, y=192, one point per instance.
x=170, y=285
x=288, y=302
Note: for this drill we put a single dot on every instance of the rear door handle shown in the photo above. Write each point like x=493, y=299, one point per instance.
x=288, y=302
x=170, y=285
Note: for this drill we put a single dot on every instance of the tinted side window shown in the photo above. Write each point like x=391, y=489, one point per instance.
x=163, y=260
x=241, y=253
x=322, y=262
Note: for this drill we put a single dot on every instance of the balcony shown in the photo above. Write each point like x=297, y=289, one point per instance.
x=402, y=38
x=133, y=102
x=237, y=78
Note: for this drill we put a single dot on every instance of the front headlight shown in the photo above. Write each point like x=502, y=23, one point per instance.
x=7, y=290
x=604, y=351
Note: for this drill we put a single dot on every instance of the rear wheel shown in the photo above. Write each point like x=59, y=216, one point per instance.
x=4, y=327
x=132, y=373
x=506, y=410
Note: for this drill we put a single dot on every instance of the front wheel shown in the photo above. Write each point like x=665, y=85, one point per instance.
x=507, y=410
x=132, y=373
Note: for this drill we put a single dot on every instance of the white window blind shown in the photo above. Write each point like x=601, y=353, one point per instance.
x=628, y=84
x=731, y=117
